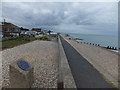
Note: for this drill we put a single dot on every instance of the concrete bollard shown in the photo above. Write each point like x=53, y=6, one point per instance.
x=20, y=78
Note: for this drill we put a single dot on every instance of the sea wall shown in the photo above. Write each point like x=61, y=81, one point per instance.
x=65, y=75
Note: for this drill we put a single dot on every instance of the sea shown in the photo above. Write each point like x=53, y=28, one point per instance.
x=102, y=40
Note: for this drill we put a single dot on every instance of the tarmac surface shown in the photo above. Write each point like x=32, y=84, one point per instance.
x=84, y=74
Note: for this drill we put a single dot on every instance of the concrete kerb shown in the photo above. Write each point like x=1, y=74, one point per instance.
x=65, y=77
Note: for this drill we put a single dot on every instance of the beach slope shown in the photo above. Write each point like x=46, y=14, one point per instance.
x=104, y=60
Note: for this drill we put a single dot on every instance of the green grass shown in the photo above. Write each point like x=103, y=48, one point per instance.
x=12, y=43
x=22, y=40
x=17, y=41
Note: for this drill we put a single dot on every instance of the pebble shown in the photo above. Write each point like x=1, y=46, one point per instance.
x=42, y=55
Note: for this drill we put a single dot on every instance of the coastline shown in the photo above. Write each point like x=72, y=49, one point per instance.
x=106, y=41
x=44, y=55
x=79, y=40
x=104, y=60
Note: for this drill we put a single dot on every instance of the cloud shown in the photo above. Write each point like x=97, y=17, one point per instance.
x=60, y=0
x=61, y=15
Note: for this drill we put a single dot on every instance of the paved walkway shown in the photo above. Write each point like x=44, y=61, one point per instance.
x=85, y=75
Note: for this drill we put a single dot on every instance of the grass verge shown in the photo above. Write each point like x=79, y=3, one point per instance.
x=22, y=40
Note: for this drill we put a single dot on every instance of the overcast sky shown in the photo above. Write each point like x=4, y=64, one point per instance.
x=82, y=17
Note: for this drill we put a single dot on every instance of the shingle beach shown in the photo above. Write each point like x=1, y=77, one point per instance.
x=43, y=55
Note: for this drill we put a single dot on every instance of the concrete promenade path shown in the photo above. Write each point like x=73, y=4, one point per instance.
x=84, y=74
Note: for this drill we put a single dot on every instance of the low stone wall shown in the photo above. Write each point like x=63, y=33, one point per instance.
x=65, y=75
x=1, y=71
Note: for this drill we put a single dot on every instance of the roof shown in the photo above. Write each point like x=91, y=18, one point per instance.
x=36, y=29
x=9, y=25
x=24, y=29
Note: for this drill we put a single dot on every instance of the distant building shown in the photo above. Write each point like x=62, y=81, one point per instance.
x=1, y=35
x=29, y=33
x=45, y=32
x=53, y=33
x=23, y=30
x=10, y=29
x=36, y=29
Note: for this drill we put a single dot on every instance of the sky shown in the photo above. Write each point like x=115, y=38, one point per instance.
x=69, y=17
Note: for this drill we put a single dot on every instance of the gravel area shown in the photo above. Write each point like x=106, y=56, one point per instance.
x=104, y=60
x=42, y=55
